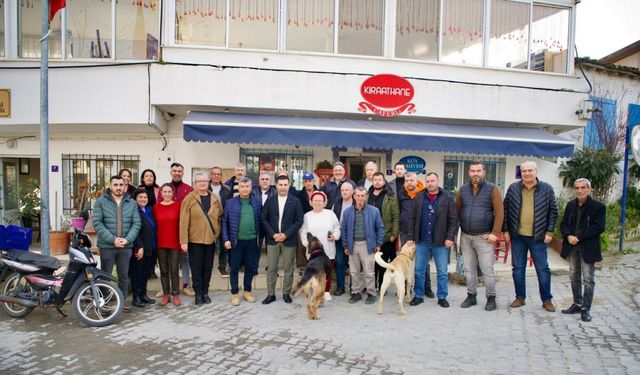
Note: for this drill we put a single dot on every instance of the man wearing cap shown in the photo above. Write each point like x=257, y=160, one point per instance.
x=332, y=187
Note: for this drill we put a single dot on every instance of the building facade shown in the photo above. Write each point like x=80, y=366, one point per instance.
x=285, y=84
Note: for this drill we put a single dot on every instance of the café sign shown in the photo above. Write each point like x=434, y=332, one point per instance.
x=386, y=95
x=413, y=163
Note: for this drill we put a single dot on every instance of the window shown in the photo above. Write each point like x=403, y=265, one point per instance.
x=89, y=29
x=462, y=31
x=296, y=163
x=456, y=172
x=310, y=25
x=30, y=30
x=137, y=29
x=361, y=26
x=85, y=177
x=201, y=22
x=601, y=129
x=2, y=8
x=253, y=24
x=417, y=23
x=509, y=34
x=549, y=39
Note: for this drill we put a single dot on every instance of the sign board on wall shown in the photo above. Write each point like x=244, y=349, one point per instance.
x=386, y=95
x=413, y=164
x=5, y=103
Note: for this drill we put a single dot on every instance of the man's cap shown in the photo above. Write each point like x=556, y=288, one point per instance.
x=338, y=163
x=307, y=176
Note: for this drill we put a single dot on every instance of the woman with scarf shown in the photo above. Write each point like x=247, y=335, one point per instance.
x=144, y=250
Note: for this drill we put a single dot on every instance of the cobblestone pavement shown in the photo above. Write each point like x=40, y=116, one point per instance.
x=348, y=339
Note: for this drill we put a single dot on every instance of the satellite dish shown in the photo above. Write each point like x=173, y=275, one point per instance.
x=635, y=143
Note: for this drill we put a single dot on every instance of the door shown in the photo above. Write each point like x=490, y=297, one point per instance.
x=9, y=198
x=355, y=165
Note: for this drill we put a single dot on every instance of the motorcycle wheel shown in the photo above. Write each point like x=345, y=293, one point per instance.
x=111, y=303
x=13, y=286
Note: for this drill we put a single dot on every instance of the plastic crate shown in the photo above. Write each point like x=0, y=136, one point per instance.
x=14, y=237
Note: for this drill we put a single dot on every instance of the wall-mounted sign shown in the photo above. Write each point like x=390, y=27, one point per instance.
x=413, y=164
x=386, y=95
x=5, y=103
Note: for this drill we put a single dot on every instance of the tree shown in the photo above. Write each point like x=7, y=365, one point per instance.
x=599, y=166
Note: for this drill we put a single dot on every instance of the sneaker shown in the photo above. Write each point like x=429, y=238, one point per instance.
x=188, y=292
x=416, y=301
x=491, y=303
x=223, y=271
x=469, y=301
x=429, y=293
x=547, y=305
x=573, y=309
x=235, y=299
x=370, y=299
x=327, y=296
x=338, y=292
x=176, y=301
x=355, y=298
x=249, y=297
x=518, y=302
x=165, y=300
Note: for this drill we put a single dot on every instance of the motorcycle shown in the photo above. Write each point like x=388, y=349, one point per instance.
x=29, y=282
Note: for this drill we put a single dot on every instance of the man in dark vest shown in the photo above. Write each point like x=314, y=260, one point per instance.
x=481, y=211
x=583, y=223
x=531, y=213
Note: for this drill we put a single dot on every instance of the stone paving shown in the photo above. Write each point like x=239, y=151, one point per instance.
x=348, y=339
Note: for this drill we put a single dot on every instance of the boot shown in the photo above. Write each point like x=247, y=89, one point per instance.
x=137, y=301
x=470, y=301
x=199, y=300
x=146, y=299
x=491, y=303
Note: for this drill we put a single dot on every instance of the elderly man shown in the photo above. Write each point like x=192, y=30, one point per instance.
x=341, y=204
x=369, y=169
x=530, y=215
x=239, y=171
x=362, y=234
x=264, y=190
x=582, y=224
x=332, y=187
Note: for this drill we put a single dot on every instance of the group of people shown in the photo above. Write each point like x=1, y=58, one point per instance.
x=181, y=227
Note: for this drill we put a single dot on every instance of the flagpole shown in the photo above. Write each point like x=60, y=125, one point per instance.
x=44, y=130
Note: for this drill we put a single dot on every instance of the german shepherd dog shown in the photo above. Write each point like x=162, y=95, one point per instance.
x=314, y=279
x=399, y=272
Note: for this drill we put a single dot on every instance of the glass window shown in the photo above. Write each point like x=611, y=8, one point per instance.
x=549, y=39
x=417, y=23
x=201, y=22
x=310, y=25
x=361, y=27
x=2, y=8
x=272, y=161
x=137, y=29
x=462, y=32
x=509, y=34
x=88, y=29
x=254, y=24
x=31, y=30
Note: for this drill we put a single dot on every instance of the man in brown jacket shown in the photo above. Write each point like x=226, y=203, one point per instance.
x=200, y=215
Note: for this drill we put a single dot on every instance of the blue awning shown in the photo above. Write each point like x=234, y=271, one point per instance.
x=315, y=131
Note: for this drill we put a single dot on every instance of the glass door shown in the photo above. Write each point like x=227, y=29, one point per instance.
x=9, y=203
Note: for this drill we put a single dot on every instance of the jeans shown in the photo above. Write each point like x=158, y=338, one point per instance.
x=520, y=245
x=341, y=264
x=440, y=255
x=288, y=258
x=579, y=270
x=476, y=251
x=169, y=261
x=427, y=277
x=201, y=263
x=121, y=259
x=246, y=253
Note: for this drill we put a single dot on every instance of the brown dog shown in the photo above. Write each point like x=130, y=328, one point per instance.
x=399, y=272
x=314, y=279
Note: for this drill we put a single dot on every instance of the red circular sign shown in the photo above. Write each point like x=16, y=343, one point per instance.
x=387, y=91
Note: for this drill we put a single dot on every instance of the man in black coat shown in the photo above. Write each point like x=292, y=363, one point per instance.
x=223, y=193
x=582, y=224
x=282, y=217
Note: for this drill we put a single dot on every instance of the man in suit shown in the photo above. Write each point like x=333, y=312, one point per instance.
x=582, y=224
x=282, y=217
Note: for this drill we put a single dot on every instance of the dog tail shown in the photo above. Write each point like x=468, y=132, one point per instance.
x=382, y=263
x=308, y=274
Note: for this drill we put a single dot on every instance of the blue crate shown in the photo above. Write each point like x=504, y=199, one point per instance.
x=14, y=237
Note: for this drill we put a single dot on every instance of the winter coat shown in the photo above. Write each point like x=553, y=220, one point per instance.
x=105, y=220
x=447, y=222
x=591, y=226
x=544, y=205
x=373, y=228
x=231, y=218
x=292, y=217
x=194, y=226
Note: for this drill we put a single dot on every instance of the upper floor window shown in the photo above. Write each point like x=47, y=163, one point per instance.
x=509, y=34
x=253, y=24
x=2, y=8
x=202, y=23
x=417, y=29
x=310, y=25
x=462, y=31
x=361, y=27
x=88, y=31
x=549, y=38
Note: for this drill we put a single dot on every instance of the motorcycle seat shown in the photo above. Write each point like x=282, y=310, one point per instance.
x=43, y=261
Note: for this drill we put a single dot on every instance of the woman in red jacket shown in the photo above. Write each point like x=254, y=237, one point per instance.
x=167, y=215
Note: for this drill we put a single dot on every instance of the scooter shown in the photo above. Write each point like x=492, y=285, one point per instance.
x=29, y=282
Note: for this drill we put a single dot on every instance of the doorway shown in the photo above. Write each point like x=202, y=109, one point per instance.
x=355, y=165
x=19, y=176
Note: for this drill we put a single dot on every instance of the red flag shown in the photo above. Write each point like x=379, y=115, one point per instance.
x=55, y=6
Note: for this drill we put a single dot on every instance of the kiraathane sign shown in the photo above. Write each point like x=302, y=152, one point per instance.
x=386, y=95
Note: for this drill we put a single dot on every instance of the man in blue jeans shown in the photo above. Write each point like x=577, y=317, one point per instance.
x=531, y=213
x=433, y=228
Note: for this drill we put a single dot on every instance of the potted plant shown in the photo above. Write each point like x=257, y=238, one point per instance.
x=77, y=220
x=324, y=171
x=59, y=239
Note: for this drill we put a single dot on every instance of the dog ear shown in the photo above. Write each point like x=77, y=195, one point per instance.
x=310, y=237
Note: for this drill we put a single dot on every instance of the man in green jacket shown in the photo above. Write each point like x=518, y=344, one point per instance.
x=382, y=197
x=117, y=223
